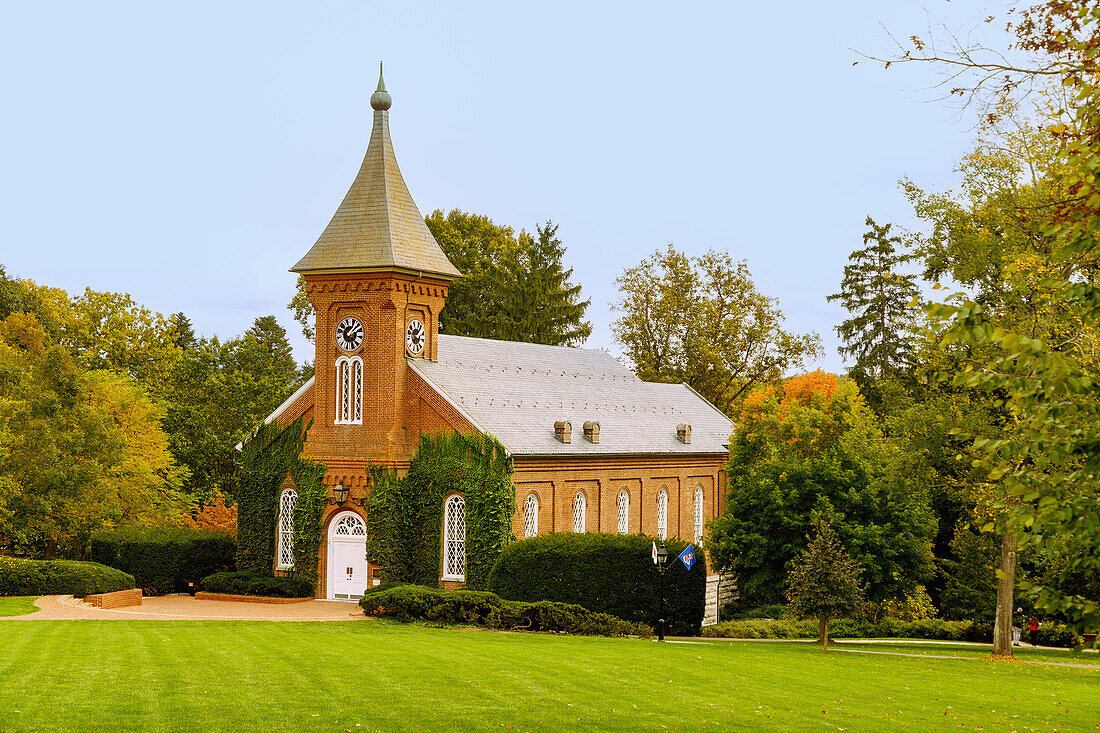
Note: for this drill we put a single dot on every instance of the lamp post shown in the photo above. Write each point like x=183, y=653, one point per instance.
x=662, y=559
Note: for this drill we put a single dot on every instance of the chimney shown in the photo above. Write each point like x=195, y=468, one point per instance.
x=683, y=433
x=563, y=429
x=592, y=431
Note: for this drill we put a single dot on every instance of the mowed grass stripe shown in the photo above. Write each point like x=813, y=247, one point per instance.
x=244, y=675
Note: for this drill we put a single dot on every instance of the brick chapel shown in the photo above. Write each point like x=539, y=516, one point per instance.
x=594, y=448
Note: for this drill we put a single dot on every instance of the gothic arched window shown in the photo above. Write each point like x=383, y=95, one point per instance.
x=285, y=553
x=662, y=513
x=349, y=390
x=698, y=514
x=624, y=512
x=454, y=539
x=578, y=513
x=531, y=517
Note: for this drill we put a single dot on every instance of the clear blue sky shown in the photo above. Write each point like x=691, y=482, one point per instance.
x=190, y=154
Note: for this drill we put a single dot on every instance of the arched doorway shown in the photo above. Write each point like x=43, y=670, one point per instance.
x=347, y=557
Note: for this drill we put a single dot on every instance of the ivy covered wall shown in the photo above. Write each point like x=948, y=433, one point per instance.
x=405, y=515
x=271, y=455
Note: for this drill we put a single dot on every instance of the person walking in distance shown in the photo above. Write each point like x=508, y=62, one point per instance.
x=1033, y=629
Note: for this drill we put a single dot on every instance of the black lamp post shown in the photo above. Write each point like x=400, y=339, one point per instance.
x=662, y=559
x=341, y=493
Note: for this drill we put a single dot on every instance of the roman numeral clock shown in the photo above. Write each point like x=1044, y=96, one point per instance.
x=349, y=334
x=415, y=337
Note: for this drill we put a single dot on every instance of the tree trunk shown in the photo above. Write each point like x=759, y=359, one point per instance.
x=1002, y=628
x=824, y=632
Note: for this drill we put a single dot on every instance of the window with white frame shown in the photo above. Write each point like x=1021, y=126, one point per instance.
x=287, y=500
x=349, y=390
x=531, y=517
x=578, y=513
x=624, y=511
x=454, y=539
x=698, y=515
x=662, y=513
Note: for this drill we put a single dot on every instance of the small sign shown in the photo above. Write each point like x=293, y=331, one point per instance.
x=654, y=553
x=688, y=556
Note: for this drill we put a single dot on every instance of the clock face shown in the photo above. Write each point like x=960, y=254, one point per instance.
x=349, y=334
x=415, y=336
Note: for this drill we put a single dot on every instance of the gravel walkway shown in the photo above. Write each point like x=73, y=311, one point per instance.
x=181, y=607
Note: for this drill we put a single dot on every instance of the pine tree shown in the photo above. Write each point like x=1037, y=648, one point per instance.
x=824, y=582
x=879, y=332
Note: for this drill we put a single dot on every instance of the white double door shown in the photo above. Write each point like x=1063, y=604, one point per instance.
x=347, y=557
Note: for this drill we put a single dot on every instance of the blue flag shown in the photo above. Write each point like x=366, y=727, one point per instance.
x=688, y=556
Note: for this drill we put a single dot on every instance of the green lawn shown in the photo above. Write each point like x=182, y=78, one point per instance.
x=17, y=605
x=336, y=676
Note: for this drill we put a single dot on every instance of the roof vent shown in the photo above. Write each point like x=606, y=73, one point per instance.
x=592, y=431
x=563, y=429
x=683, y=433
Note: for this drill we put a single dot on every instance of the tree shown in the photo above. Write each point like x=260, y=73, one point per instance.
x=824, y=582
x=812, y=447
x=81, y=450
x=533, y=300
x=879, y=333
x=701, y=321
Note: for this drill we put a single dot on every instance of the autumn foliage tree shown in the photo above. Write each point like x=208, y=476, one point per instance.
x=808, y=447
x=701, y=320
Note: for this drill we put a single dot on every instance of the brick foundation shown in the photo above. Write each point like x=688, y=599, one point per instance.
x=116, y=599
x=204, y=596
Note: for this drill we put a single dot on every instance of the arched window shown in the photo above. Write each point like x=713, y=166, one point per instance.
x=698, y=515
x=624, y=512
x=578, y=513
x=531, y=517
x=662, y=513
x=287, y=500
x=349, y=391
x=454, y=539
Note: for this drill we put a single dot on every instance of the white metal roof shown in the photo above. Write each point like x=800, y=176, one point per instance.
x=516, y=391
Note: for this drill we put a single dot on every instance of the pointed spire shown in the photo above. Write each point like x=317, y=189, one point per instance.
x=381, y=99
x=377, y=226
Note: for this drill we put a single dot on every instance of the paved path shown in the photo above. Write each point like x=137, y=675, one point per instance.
x=180, y=607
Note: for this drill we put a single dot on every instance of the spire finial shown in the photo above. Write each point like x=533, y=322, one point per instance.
x=381, y=98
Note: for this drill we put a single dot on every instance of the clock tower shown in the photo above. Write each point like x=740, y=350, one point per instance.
x=377, y=280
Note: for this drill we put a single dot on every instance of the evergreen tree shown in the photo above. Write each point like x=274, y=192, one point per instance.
x=824, y=581
x=878, y=334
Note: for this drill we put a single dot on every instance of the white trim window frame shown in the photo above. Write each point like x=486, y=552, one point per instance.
x=623, y=505
x=698, y=515
x=285, y=554
x=454, y=539
x=349, y=391
x=580, y=506
x=531, y=517
x=662, y=513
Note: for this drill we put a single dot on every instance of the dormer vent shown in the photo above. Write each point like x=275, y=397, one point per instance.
x=683, y=433
x=592, y=431
x=563, y=430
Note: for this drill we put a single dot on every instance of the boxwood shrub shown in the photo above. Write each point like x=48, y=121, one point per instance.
x=20, y=577
x=164, y=559
x=256, y=584
x=606, y=573
x=481, y=608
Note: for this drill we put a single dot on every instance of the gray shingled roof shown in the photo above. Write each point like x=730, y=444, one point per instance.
x=377, y=225
x=516, y=391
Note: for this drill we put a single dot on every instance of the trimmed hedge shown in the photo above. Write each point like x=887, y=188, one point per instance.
x=887, y=628
x=256, y=584
x=481, y=608
x=20, y=577
x=606, y=573
x=164, y=559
